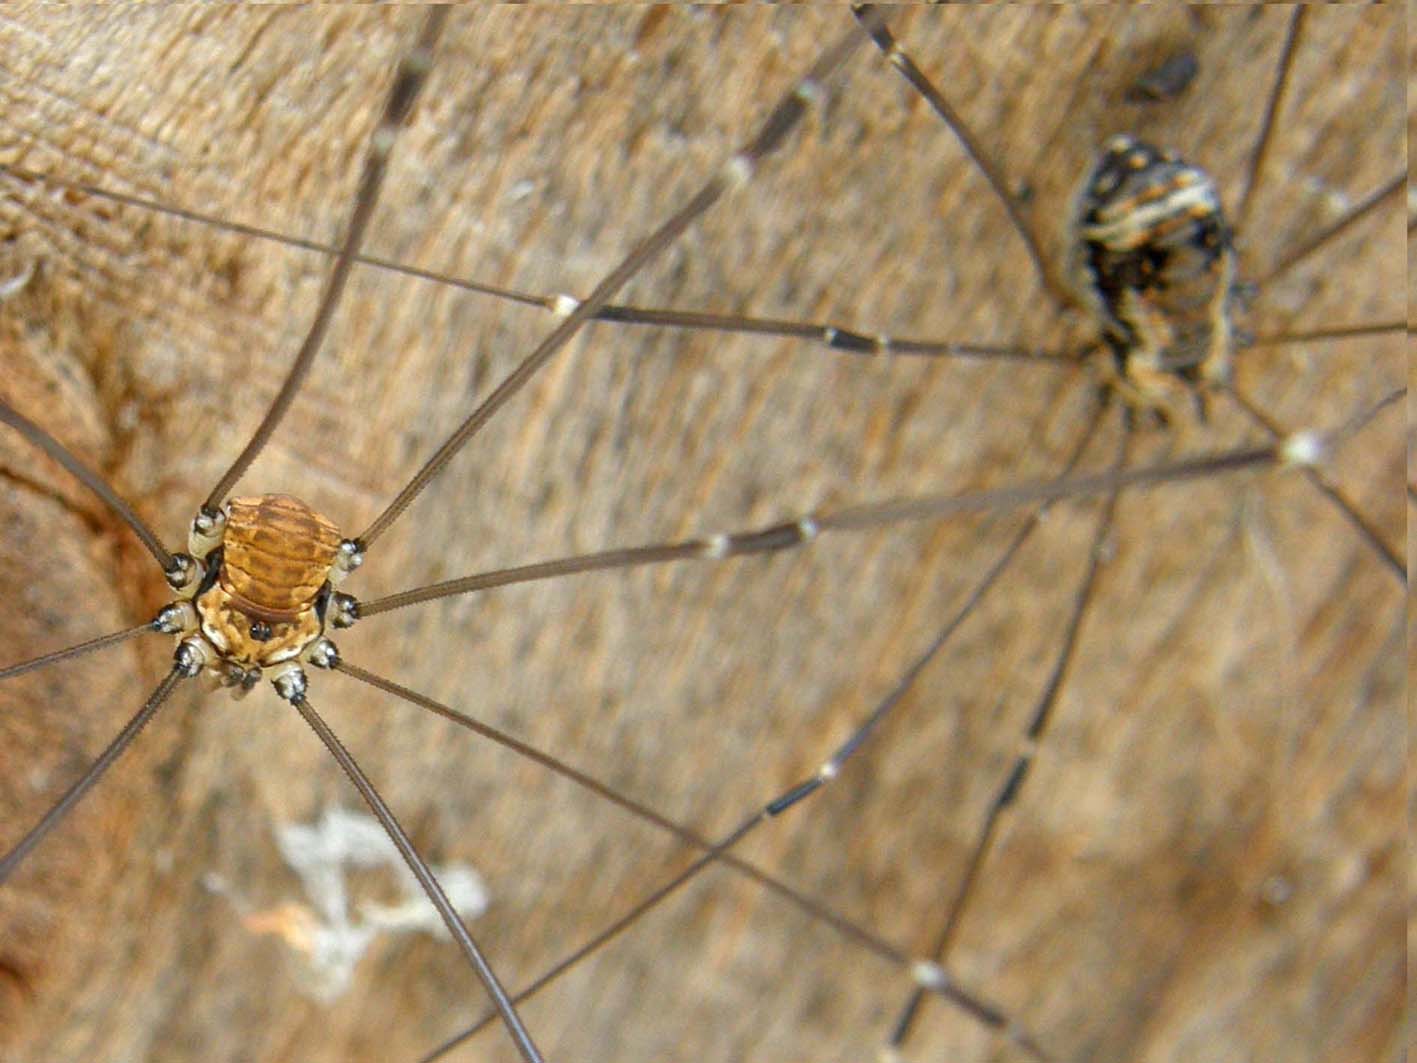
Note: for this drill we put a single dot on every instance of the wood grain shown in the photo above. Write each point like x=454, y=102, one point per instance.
x=1206, y=862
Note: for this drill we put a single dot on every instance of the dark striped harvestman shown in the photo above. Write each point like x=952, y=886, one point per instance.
x=1204, y=859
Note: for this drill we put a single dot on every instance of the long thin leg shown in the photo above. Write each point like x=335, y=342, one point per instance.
x=1298, y=254
x=85, y=783
x=641, y=908
x=1013, y=781
x=886, y=42
x=1294, y=450
x=1362, y=209
x=1365, y=528
x=426, y=879
x=1337, y=332
x=836, y=336
x=412, y=73
x=816, y=909
x=803, y=530
x=797, y=792
x=38, y=437
x=930, y=976
x=1362, y=418
x=1276, y=99
x=936, y=982
x=100, y=643
x=848, y=339
x=780, y=121
x=788, y=799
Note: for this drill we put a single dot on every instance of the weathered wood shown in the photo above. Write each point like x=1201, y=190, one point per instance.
x=1205, y=863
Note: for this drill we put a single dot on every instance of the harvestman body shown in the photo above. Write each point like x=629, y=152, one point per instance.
x=1154, y=260
x=259, y=600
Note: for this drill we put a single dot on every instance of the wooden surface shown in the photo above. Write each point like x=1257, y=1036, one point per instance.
x=1206, y=862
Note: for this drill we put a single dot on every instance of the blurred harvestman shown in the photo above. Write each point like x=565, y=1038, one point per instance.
x=921, y=624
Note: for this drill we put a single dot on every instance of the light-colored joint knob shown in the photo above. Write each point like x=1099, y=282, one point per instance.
x=206, y=533
x=176, y=618
x=290, y=682
x=184, y=573
x=191, y=655
x=343, y=610
x=322, y=653
x=929, y=975
x=1304, y=449
x=347, y=559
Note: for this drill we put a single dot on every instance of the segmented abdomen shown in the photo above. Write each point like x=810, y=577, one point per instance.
x=276, y=555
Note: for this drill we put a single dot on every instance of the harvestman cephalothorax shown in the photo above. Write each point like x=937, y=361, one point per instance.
x=704, y=693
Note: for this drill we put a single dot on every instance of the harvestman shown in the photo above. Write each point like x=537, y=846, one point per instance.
x=255, y=589
x=1150, y=357
x=787, y=534
x=1139, y=216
